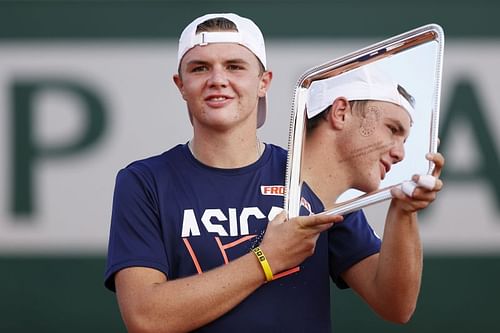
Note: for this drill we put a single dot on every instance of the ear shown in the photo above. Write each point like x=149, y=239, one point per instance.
x=338, y=112
x=180, y=85
x=265, y=83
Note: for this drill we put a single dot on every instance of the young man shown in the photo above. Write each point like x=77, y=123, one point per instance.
x=191, y=246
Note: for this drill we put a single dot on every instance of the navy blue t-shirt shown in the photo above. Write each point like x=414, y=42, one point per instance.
x=181, y=217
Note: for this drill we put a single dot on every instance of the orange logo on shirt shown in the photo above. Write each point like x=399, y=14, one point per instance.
x=272, y=190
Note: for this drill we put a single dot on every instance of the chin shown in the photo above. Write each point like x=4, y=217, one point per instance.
x=374, y=182
x=370, y=181
x=369, y=187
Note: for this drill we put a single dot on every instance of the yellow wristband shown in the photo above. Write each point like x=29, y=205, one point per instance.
x=264, y=263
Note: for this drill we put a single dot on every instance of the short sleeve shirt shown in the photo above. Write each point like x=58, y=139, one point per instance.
x=181, y=217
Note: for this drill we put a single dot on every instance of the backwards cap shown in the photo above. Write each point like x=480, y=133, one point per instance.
x=364, y=83
x=248, y=35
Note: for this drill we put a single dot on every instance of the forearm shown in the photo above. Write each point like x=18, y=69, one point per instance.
x=184, y=304
x=399, y=271
x=150, y=303
x=390, y=280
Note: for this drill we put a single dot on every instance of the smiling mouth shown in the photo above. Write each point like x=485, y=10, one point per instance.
x=217, y=99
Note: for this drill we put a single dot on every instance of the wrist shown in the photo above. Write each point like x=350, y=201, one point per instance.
x=266, y=268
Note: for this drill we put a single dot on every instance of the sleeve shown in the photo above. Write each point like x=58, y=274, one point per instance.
x=350, y=242
x=135, y=237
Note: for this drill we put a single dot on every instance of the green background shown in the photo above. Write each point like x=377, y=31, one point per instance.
x=277, y=18
x=66, y=294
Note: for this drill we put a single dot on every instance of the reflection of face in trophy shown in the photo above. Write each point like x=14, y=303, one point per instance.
x=357, y=124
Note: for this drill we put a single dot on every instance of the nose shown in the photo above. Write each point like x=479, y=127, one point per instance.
x=397, y=152
x=217, y=77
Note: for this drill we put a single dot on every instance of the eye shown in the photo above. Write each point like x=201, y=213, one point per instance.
x=392, y=128
x=200, y=68
x=235, y=67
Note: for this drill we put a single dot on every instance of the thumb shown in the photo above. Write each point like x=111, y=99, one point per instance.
x=280, y=218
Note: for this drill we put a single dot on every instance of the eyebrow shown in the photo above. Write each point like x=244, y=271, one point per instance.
x=196, y=62
x=230, y=61
x=239, y=60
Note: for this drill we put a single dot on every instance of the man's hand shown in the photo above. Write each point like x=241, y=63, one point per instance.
x=287, y=243
x=422, y=191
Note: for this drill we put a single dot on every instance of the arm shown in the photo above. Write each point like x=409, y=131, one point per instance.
x=149, y=301
x=390, y=280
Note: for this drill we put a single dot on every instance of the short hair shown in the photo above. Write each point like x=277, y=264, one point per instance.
x=216, y=24
x=222, y=24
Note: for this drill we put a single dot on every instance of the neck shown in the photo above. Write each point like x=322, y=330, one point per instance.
x=226, y=150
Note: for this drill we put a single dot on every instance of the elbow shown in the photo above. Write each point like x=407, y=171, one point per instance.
x=399, y=305
x=397, y=310
x=141, y=322
x=400, y=314
x=143, y=326
x=402, y=318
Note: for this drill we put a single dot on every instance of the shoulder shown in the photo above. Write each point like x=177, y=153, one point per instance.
x=151, y=169
x=277, y=150
x=358, y=218
x=172, y=154
x=158, y=162
x=272, y=164
x=277, y=153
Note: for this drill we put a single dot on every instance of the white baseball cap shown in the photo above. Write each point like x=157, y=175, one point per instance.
x=364, y=83
x=248, y=35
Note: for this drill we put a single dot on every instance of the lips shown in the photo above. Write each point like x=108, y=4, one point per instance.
x=217, y=100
